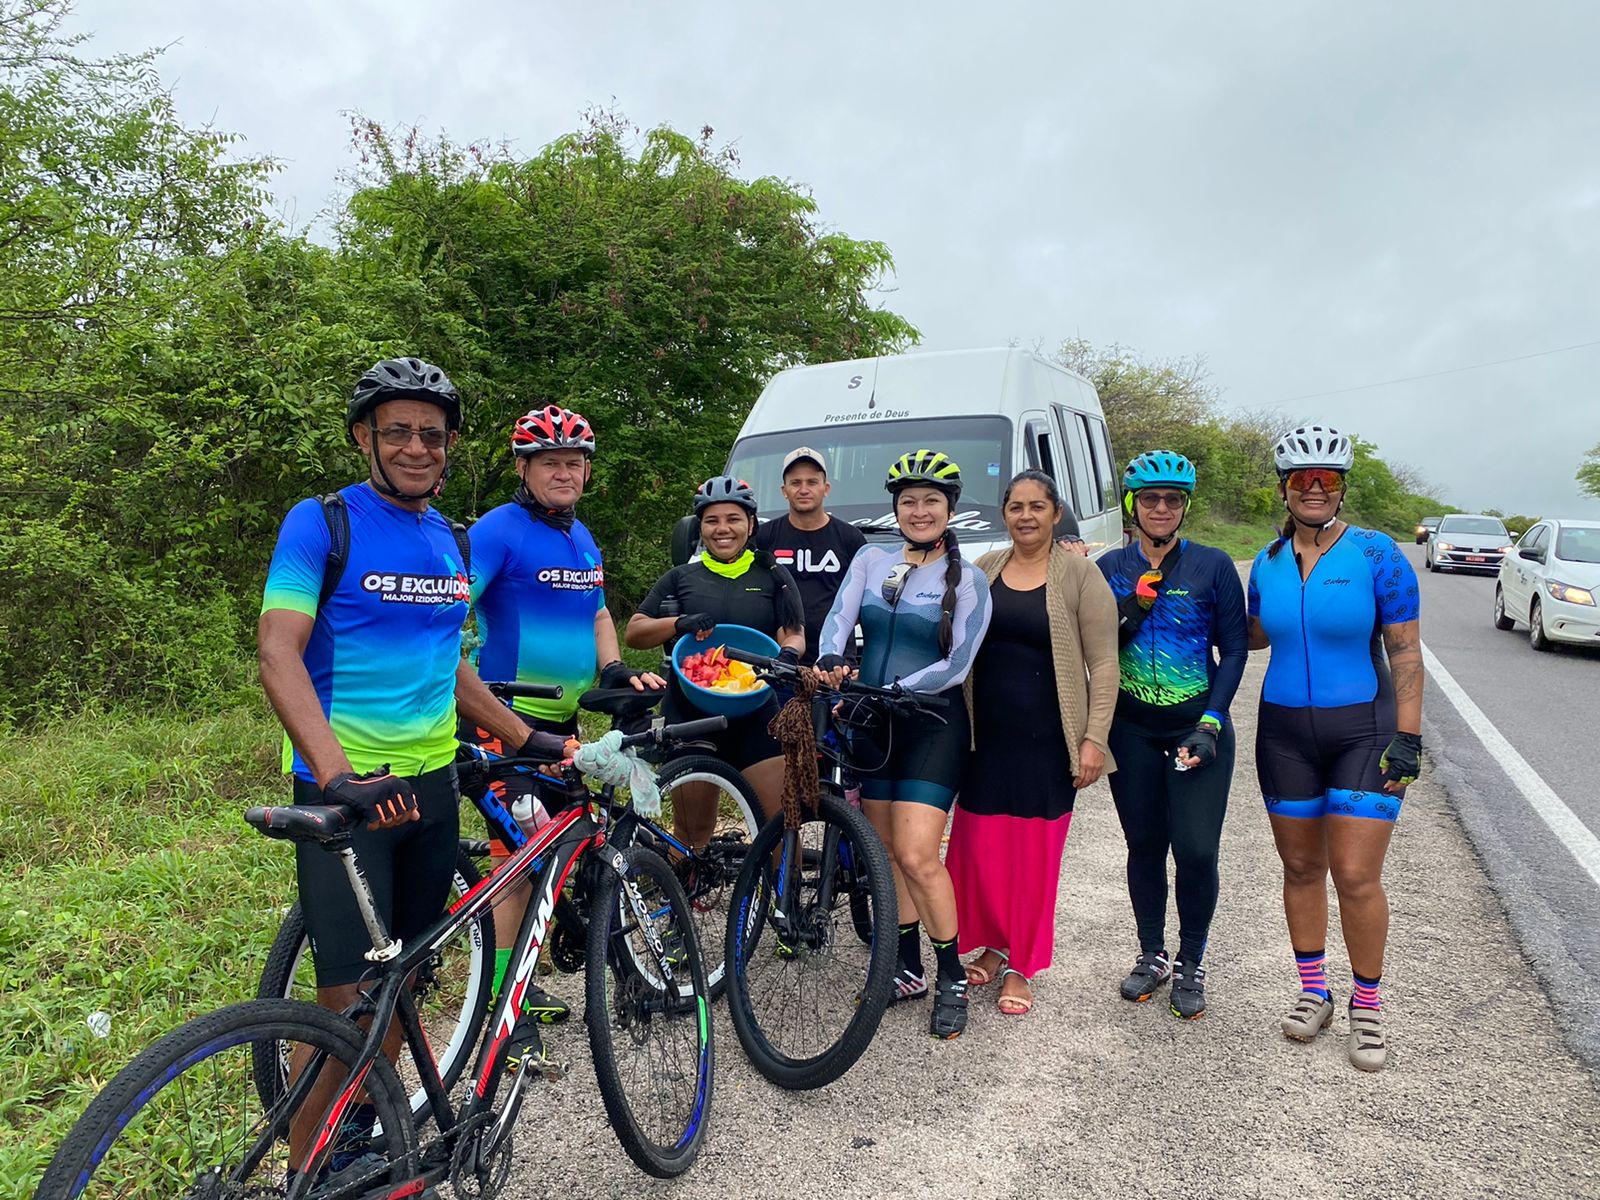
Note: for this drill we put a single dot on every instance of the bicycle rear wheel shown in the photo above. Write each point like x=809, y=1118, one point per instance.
x=185, y=1118
x=806, y=1007
x=708, y=877
x=648, y=1008
x=453, y=992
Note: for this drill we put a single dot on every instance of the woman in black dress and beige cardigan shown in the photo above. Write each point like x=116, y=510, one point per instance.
x=1041, y=695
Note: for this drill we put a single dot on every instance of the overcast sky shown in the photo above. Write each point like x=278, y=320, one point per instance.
x=1313, y=197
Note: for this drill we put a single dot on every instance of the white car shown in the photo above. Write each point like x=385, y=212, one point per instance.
x=1549, y=580
x=1467, y=542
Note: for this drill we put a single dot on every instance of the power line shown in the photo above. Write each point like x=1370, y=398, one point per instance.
x=1499, y=362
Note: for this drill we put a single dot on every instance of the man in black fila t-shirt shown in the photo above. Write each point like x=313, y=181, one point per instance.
x=815, y=547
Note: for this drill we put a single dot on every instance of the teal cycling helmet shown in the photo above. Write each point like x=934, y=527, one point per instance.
x=1159, y=468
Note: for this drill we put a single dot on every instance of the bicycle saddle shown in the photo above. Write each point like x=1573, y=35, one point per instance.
x=621, y=703
x=321, y=823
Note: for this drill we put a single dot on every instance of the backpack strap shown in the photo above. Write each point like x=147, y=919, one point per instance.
x=337, y=515
x=463, y=544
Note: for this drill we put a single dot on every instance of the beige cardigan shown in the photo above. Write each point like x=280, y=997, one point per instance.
x=1083, y=632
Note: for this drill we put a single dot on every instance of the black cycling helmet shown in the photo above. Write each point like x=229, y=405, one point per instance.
x=403, y=379
x=925, y=468
x=725, y=489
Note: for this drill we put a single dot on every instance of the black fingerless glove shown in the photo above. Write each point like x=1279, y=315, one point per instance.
x=618, y=674
x=544, y=747
x=1402, y=761
x=1201, y=743
x=695, y=623
x=789, y=656
x=377, y=795
x=832, y=662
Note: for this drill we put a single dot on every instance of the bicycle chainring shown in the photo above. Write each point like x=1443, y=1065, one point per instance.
x=473, y=1178
x=567, y=946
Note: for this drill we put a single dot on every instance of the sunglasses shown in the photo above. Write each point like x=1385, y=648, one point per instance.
x=1169, y=500
x=895, y=582
x=1303, y=479
x=401, y=435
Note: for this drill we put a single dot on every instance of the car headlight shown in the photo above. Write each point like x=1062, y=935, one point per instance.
x=1503, y=550
x=1444, y=546
x=1572, y=595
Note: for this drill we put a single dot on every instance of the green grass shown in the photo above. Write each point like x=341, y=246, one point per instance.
x=1240, y=539
x=128, y=885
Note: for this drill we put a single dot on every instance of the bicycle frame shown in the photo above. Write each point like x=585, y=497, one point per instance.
x=550, y=856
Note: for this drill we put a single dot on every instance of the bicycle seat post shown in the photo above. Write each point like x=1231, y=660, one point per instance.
x=384, y=947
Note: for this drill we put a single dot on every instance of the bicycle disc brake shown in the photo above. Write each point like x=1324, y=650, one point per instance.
x=474, y=1175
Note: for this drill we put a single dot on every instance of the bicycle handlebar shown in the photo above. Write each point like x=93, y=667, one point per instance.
x=510, y=689
x=893, y=694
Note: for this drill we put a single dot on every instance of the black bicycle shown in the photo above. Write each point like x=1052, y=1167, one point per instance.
x=453, y=990
x=187, y=1117
x=811, y=924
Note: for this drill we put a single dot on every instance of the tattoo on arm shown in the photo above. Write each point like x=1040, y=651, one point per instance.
x=1403, y=644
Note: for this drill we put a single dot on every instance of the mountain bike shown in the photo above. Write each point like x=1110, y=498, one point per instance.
x=812, y=920
x=186, y=1116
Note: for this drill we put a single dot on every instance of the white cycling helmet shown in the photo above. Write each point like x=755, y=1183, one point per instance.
x=1313, y=446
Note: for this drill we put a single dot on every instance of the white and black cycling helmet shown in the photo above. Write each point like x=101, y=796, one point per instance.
x=1313, y=446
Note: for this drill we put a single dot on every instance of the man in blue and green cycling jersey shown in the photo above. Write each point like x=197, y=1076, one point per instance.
x=538, y=587
x=369, y=682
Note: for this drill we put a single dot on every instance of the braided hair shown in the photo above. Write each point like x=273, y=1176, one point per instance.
x=952, y=582
x=1284, y=537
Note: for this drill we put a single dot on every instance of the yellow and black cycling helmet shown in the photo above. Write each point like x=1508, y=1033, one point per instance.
x=925, y=468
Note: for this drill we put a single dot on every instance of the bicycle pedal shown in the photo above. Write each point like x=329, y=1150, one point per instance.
x=546, y=1068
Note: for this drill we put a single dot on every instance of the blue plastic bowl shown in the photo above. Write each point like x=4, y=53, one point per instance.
x=723, y=704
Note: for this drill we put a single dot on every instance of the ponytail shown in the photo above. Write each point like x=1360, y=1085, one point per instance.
x=1283, y=538
x=952, y=582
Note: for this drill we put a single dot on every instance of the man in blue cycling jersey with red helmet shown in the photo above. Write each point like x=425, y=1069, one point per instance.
x=538, y=587
x=368, y=682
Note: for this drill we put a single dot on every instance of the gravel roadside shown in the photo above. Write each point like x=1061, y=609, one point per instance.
x=1091, y=1096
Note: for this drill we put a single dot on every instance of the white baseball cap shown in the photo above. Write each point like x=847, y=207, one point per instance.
x=804, y=454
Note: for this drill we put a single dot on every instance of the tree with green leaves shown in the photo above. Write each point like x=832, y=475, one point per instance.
x=1589, y=473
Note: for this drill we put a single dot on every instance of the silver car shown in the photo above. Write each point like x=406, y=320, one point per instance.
x=1467, y=543
x=1550, y=582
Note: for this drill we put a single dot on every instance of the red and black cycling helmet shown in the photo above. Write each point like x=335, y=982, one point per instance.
x=403, y=379
x=725, y=489
x=551, y=428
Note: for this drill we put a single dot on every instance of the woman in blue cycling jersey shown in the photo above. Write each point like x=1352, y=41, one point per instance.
x=1340, y=731
x=923, y=613
x=1171, y=736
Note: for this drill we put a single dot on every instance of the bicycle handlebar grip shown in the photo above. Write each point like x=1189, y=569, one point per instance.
x=748, y=656
x=689, y=730
x=533, y=691
x=928, y=701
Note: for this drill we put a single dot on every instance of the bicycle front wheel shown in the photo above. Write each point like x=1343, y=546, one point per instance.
x=810, y=973
x=453, y=992
x=648, y=1008
x=185, y=1118
x=708, y=875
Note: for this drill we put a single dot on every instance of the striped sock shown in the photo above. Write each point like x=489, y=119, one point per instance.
x=1366, y=993
x=1313, y=968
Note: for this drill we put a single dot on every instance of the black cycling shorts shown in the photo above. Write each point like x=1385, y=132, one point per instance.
x=743, y=743
x=408, y=867
x=926, y=756
x=1319, y=762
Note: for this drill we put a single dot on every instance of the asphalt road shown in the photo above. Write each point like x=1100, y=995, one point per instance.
x=1090, y=1096
x=1545, y=706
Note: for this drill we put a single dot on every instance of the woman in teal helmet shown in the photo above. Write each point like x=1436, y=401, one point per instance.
x=1183, y=651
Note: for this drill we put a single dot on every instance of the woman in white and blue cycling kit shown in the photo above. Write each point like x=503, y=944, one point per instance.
x=1340, y=731
x=923, y=613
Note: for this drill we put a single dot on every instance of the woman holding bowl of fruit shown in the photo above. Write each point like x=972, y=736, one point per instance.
x=730, y=584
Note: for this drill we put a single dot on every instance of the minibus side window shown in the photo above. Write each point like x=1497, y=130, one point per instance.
x=1103, y=462
x=1084, y=485
x=1039, y=451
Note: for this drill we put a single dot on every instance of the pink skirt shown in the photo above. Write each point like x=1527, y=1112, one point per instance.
x=1006, y=872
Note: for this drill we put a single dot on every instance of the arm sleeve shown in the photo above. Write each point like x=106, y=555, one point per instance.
x=1097, y=635
x=1228, y=634
x=294, y=577
x=1394, y=583
x=650, y=606
x=967, y=627
x=840, y=625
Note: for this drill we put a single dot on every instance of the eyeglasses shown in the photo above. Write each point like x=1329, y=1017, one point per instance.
x=1302, y=480
x=1171, y=500
x=401, y=435
x=895, y=582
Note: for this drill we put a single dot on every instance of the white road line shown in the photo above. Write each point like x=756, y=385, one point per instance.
x=1574, y=834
